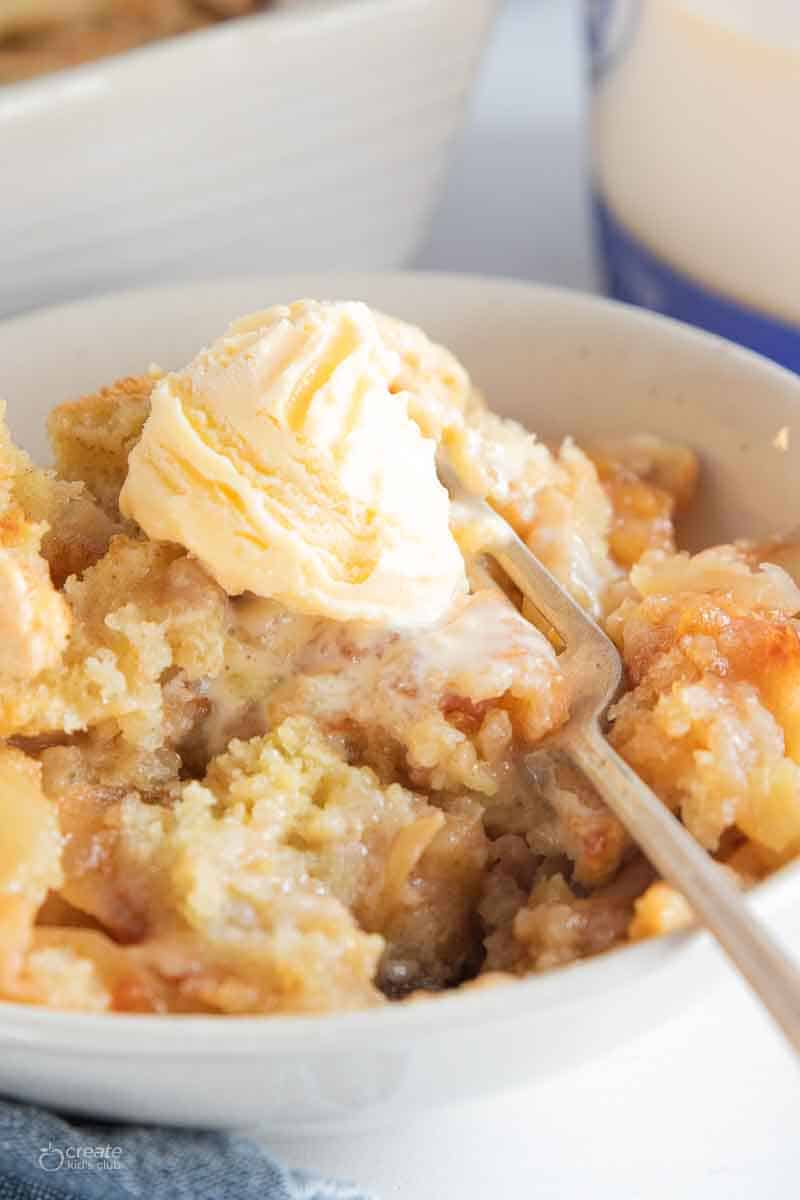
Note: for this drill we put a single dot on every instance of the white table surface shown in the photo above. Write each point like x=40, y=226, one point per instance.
x=708, y=1106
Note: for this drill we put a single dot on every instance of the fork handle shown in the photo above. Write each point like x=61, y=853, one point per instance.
x=715, y=899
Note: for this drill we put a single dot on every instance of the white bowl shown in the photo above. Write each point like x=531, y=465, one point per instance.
x=314, y=137
x=561, y=362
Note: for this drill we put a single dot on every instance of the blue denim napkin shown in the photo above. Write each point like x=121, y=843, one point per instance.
x=45, y=1157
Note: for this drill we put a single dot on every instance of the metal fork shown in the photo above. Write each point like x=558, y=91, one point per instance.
x=593, y=669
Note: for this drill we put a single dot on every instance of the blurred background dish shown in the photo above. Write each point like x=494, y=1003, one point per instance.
x=314, y=134
x=697, y=162
x=38, y=36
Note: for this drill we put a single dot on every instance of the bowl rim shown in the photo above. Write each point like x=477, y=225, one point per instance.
x=177, y=1036
x=99, y=75
x=501, y=1002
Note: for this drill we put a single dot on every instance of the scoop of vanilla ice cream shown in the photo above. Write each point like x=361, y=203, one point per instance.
x=282, y=459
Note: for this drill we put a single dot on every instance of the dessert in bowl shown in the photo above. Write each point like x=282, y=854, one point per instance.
x=270, y=714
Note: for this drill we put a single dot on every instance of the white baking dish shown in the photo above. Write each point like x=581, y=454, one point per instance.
x=313, y=136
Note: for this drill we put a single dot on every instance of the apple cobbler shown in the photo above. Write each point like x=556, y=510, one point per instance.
x=231, y=799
